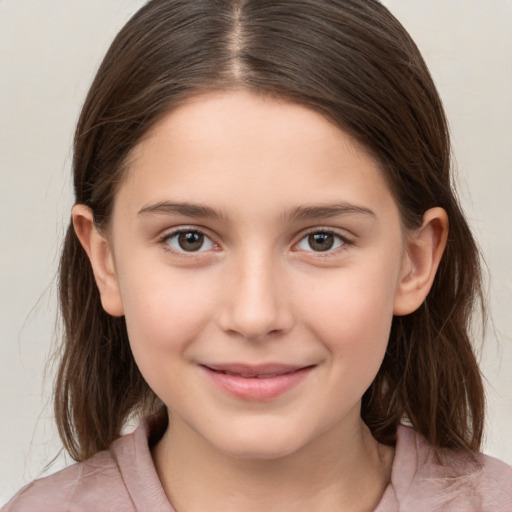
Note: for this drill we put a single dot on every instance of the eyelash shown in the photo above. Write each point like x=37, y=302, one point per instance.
x=343, y=241
x=167, y=237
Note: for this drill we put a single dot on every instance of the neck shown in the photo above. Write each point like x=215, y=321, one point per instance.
x=333, y=473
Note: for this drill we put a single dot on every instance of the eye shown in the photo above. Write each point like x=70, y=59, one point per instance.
x=188, y=240
x=321, y=241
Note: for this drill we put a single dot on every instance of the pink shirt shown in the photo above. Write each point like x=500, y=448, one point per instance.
x=124, y=479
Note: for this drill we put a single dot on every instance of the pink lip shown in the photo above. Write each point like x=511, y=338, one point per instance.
x=255, y=382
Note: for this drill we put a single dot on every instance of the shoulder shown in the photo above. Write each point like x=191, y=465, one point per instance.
x=121, y=478
x=74, y=488
x=477, y=483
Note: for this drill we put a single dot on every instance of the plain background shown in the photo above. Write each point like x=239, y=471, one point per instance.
x=49, y=51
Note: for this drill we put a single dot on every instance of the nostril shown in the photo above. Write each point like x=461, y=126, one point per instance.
x=255, y=306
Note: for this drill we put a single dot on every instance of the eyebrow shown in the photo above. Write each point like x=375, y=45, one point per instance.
x=326, y=211
x=298, y=213
x=186, y=209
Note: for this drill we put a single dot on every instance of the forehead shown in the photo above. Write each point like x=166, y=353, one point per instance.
x=237, y=150
x=236, y=117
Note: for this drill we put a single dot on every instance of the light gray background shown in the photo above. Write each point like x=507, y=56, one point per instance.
x=49, y=51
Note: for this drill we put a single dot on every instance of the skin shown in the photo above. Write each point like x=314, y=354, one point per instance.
x=258, y=291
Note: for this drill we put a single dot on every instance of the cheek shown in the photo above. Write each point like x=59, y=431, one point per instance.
x=352, y=313
x=164, y=314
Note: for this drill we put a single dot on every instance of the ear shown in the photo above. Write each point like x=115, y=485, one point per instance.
x=424, y=249
x=100, y=255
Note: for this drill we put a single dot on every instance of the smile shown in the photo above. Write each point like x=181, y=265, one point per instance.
x=255, y=383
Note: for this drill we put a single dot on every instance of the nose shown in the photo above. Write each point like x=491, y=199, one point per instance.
x=257, y=304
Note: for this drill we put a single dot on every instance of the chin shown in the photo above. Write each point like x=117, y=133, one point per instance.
x=263, y=445
x=260, y=452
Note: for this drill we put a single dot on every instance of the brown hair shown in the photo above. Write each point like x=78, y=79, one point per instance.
x=352, y=61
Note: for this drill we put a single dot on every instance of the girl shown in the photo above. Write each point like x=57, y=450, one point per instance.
x=266, y=261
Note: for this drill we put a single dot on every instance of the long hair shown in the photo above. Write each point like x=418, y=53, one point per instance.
x=353, y=62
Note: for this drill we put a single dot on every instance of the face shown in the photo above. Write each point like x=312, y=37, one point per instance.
x=258, y=256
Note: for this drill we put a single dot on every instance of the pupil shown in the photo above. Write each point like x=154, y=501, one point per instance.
x=321, y=241
x=191, y=241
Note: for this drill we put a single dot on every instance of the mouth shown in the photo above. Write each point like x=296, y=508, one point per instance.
x=256, y=382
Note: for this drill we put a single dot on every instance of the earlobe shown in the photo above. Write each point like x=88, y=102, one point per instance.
x=424, y=251
x=100, y=256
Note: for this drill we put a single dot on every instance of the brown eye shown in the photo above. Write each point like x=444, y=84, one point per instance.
x=321, y=241
x=191, y=241
x=188, y=241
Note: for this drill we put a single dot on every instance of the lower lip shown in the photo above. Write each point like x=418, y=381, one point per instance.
x=257, y=389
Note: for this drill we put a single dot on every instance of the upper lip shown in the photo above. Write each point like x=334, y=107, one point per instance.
x=251, y=370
